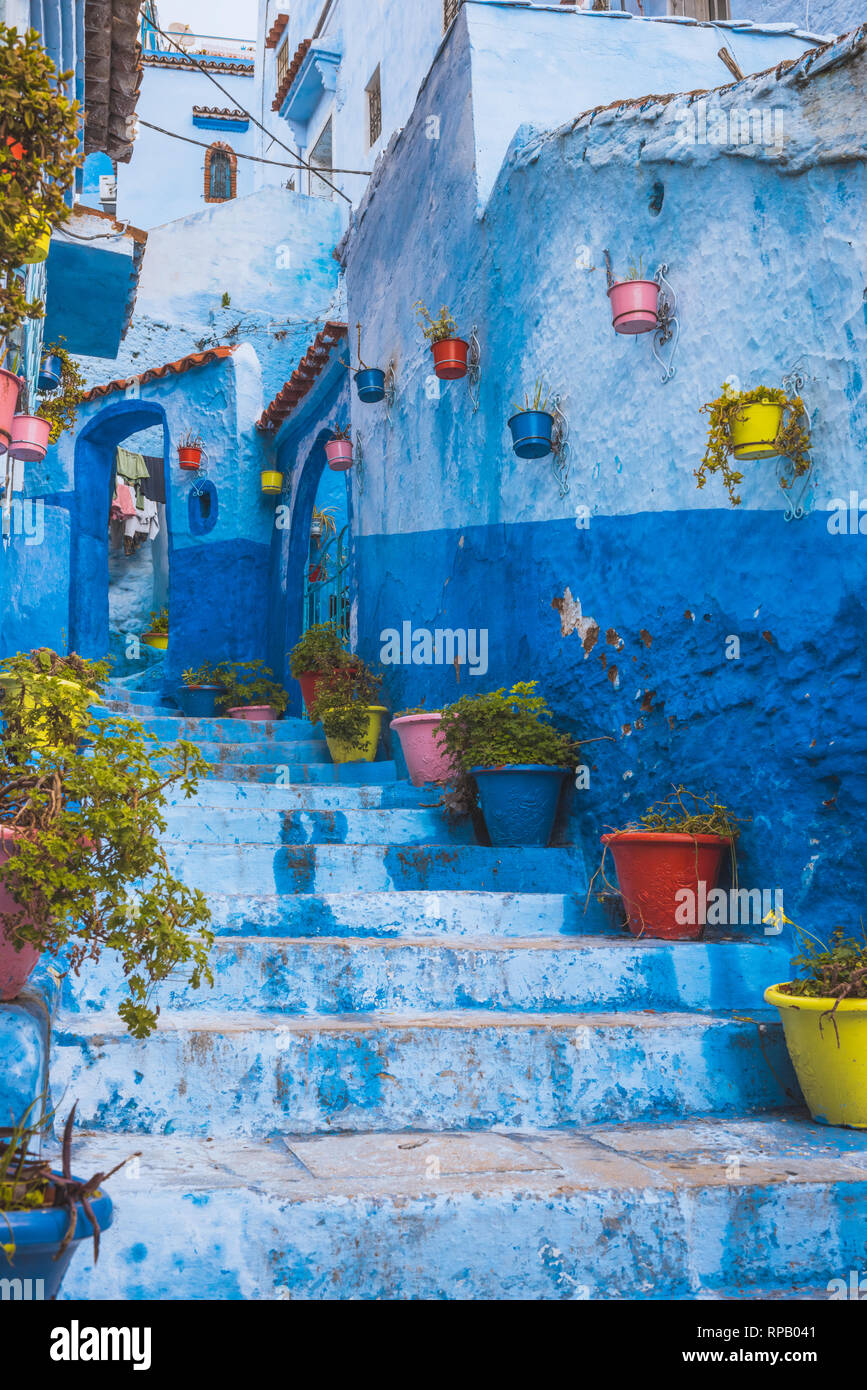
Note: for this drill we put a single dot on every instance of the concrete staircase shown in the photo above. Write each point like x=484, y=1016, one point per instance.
x=425, y=1072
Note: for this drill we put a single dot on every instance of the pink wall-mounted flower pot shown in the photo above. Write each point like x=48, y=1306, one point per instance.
x=10, y=385
x=634, y=306
x=339, y=454
x=426, y=760
x=16, y=967
x=29, y=438
x=255, y=713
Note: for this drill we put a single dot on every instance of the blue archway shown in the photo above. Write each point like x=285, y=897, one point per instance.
x=94, y=469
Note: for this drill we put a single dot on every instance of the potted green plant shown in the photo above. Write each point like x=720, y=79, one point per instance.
x=634, y=302
x=758, y=424
x=46, y=1214
x=824, y=1015
x=441, y=333
x=346, y=706
x=338, y=449
x=31, y=682
x=512, y=758
x=190, y=449
x=669, y=861
x=419, y=732
x=319, y=651
x=532, y=425
x=158, y=633
x=82, y=867
x=199, y=692
x=249, y=691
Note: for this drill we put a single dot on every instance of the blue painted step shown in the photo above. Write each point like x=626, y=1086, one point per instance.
x=379, y=827
x=265, y=752
x=351, y=774
x=170, y=727
x=253, y=1073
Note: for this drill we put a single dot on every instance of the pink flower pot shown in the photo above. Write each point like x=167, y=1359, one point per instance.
x=426, y=760
x=29, y=438
x=10, y=385
x=16, y=967
x=255, y=713
x=634, y=305
x=339, y=454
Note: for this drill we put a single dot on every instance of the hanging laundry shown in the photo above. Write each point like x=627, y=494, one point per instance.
x=145, y=521
x=154, y=485
x=134, y=470
x=122, y=505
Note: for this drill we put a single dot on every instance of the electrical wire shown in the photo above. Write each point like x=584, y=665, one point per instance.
x=302, y=162
x=257, y=158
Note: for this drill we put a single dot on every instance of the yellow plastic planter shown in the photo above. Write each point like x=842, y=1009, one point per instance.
x=753, y=435
x=272, y=481
x=364, y=752
x=833, y=1078
x=160, y=640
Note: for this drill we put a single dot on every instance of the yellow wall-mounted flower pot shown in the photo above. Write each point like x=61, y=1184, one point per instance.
x=272, y=481
x=364, y=752
x=160, y=640
x=753, y=434
x=831, y=1062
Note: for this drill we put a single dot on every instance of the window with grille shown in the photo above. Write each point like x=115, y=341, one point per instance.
x=220, y=180
x=711, y=10
x=450, y=10
x=374, y=109
x=282, y=61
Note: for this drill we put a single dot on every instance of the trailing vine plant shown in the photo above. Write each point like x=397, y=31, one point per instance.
x=792, y=440
x=60, y=406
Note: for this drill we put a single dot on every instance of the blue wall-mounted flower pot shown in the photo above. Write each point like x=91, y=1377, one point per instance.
x=50, y=373
x=370, y=385
x=519, y=803
x=37, y=1236
x=199, y=701
x=531, y=433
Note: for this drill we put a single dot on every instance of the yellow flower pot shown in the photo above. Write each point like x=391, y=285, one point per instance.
x=833, y=1077
x=272, y=481
x=754, y=433
x=364, y=752
x=160, y=640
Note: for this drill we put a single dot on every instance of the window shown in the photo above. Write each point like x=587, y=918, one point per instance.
x=221, y=165
x=374, y=109
x=711, y=10
x=322, y=157
x=203, y=507
x=450, y=12
x=282, y=62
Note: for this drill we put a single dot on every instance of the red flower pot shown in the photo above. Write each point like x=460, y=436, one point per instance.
x=29, y=440
x=339, y=454
x=450, y=358
x=10, y=385
x=16, y=967
x=310, y=682
x=190, y=459
x=653, y=868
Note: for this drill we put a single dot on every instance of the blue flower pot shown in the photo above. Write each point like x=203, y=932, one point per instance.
x=37, y=1235
x=370, y=385
x=531, y=433
x=519, y=802
x=50, y=373
x=199, y=701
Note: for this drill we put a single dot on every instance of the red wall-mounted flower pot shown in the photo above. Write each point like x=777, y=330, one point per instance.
x=653, y=867
x=339, y=454
x=189, y=459
x=634, y=306
x=450, y=358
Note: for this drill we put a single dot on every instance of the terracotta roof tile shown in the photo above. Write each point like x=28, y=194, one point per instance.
x=303, y=376
x=183, y=364
x=291, y=74
x=276, y=30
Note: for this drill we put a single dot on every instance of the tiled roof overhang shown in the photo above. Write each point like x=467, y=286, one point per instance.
x=276, y=31
x=304, y=375
x=183, y=364
x=291, y=74
x=199, y=64
x=112, y=76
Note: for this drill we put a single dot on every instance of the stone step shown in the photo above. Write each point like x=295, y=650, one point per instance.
x=194, y=825
x=356, y=774
x=306, y=868
x=339, y=796
x=246, y=1073
x=418, y=914
x=263, y=753
x=334, y=975
x=693, y=1210
x=168, y=727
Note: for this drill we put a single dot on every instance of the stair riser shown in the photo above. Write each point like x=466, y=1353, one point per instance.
x=418, y=1076
x=409, y=827
x=361, y=977
x=261, y=753
x=515, y=1244
x=353, y=868
x=169, y=727
x=352, y=774
x=214, y=794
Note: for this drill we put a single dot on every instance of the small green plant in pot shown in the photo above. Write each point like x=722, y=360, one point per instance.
x=668, y=863
x=317, y=653
x=532, y=425
x=44, y=1213
x=758, y=424
x=346, y=705
x=249, y=691
x=158, y=633
x=450, y=353
x=512, y=758
x=199, y=691
x=824, y=1014
x=82, y=867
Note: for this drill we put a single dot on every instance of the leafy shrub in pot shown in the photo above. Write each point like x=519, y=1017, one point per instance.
x=346, y=705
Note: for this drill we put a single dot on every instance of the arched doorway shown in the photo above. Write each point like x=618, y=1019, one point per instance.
x=95, y=461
